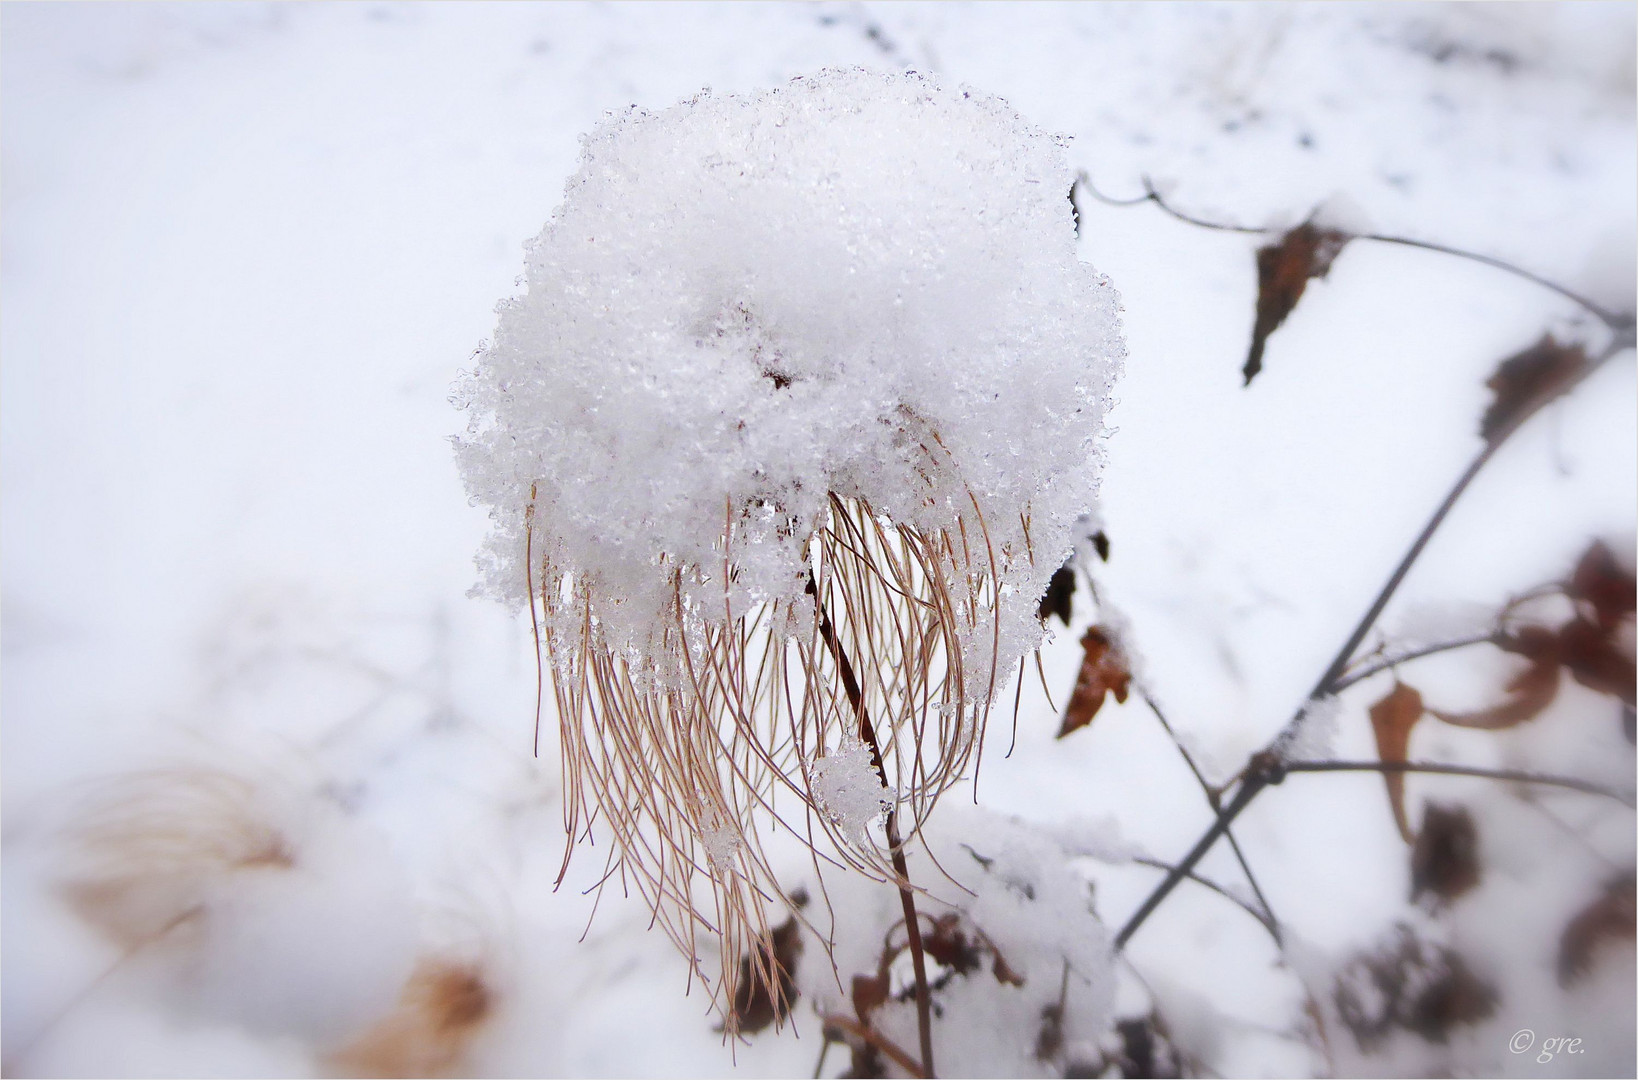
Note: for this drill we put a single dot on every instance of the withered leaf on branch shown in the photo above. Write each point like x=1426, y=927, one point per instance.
x=1598, y=659
x=1445, y=861
x=756, y=1003
x=1604, y=584
x=1049, y=1041
x=1529, y=692
x=963, y=952
x=869, y=993
x=1146, y=1048
x=1103, y=671
x=1392, y=719
x=1525, y=381
x=1058, y=599
x=1610, y=917
x=1283, y=271
x=950, y=947
x=1100, y=544
x=1413, y=986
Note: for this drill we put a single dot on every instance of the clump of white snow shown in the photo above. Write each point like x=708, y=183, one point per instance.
x=1314, y=736
x=1016, y=919
x=858, y=283
x=722, y=844
x=848, y=789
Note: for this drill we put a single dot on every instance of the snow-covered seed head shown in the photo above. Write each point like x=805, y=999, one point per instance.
x=238, y=889
x=823, y=352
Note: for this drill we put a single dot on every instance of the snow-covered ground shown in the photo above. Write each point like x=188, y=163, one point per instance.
x=245, y=250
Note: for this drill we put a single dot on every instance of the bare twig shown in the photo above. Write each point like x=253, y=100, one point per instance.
x=1613, y=319
x=824, y=1052
x=878, y=1040
x=15, y=1055
x=1360, y=675
x=1339, y=663
x=1249, y=787
x=1514, y=775
x=912, y=926
x=1215, y=799
x=1268, y=765
x=1150, y=194
x=1214, y=795
x=1267, y=921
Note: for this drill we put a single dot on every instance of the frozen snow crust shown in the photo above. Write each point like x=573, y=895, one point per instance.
x=857, y=283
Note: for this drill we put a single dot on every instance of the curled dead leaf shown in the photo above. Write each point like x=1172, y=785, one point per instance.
x=1059, y=595
x=1610, y=917
x=1527, y=380
x=1049, y=1040
x=869, y=993
x=1284, y=269
x=1599, y=659
x=1392, y=719
x=1445, y=861
x=1410, y=985
x=950, y=947
x=1103, y=671
x=1602, y=583
x=1529, y=692
x=1146, y=1048
x=767, y=987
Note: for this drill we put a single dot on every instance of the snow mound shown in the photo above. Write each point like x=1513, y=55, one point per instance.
x=859, y=283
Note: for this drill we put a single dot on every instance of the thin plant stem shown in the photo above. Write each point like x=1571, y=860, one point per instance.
x=824, y=1052
x=1339, y=663
x=879, y=1041
x=1213, y=795
x=1267, y=766
x=912, y=925
x=1248, y=790
x=1614, y=320
x=1215, y=800
x=1387, y=663
x=1267, y=922
x=1514, y=775
x=85, y=993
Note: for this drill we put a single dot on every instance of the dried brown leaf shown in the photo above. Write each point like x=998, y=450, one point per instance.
x=1049, y=1041
x=1284, y=269
x=1527, y=380
x=1608, y=918
x=1059, y=595
x=1392, y=719
x=1605, y=584
x=1445, y=861
x=950, y=947
x=869, y=993
x=757, y=1003
x=1103, y=671
x=1598, y=659
x=1529, y=692
x=1410, y=985
x=1146, y=1049
x=1004, y=973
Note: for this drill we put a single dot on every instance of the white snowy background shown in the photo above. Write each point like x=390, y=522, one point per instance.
x=246, y=248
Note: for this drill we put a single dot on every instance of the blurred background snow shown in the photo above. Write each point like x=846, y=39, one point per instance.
x=244, y=248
